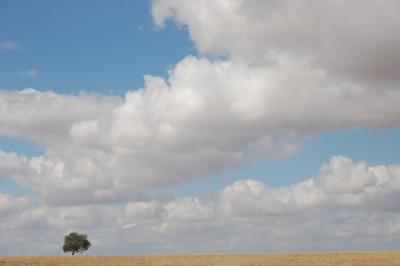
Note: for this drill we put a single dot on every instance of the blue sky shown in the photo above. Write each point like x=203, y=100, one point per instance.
x=172, y=116
x=101, y=47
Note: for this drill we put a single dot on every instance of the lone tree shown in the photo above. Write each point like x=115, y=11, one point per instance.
x=75, y=242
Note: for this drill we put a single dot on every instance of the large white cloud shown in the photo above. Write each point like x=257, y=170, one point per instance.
x=356, y=38
x=208, y=116
x=247, y=215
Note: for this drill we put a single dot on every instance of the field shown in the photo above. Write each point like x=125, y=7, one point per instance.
x=295, y=259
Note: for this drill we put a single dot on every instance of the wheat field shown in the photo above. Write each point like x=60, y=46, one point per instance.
x=295, y=259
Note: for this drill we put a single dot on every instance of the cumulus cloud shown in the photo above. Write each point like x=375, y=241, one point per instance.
x=208, y=116
x=250, y=215
x=341, y=183
x=247, y=215
x=357, y=39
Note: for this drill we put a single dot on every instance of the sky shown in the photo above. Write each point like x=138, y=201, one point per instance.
x=171, y=126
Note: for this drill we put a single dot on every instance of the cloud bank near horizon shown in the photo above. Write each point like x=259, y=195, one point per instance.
x=348, y=205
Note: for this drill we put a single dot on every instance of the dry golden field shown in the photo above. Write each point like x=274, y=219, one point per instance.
x=295, y=259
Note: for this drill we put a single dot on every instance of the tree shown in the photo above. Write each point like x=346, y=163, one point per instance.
x=75, y=242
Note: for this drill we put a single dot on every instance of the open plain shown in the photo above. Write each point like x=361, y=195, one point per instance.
x=273, y=259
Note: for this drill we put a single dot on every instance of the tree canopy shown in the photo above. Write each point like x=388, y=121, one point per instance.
x=75, y=242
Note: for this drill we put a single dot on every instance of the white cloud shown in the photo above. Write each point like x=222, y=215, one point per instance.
x=207, y=117
x=247, y=215
x=47, y=117
x=356, y=38
x=10, y=204
x=11, y=164
x=9, y=45
x=188, y=210
x=341, y=183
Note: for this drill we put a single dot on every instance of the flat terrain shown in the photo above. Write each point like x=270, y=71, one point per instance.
x=295, y=259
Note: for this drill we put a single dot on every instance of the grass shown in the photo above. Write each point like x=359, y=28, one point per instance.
x=295, y=259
